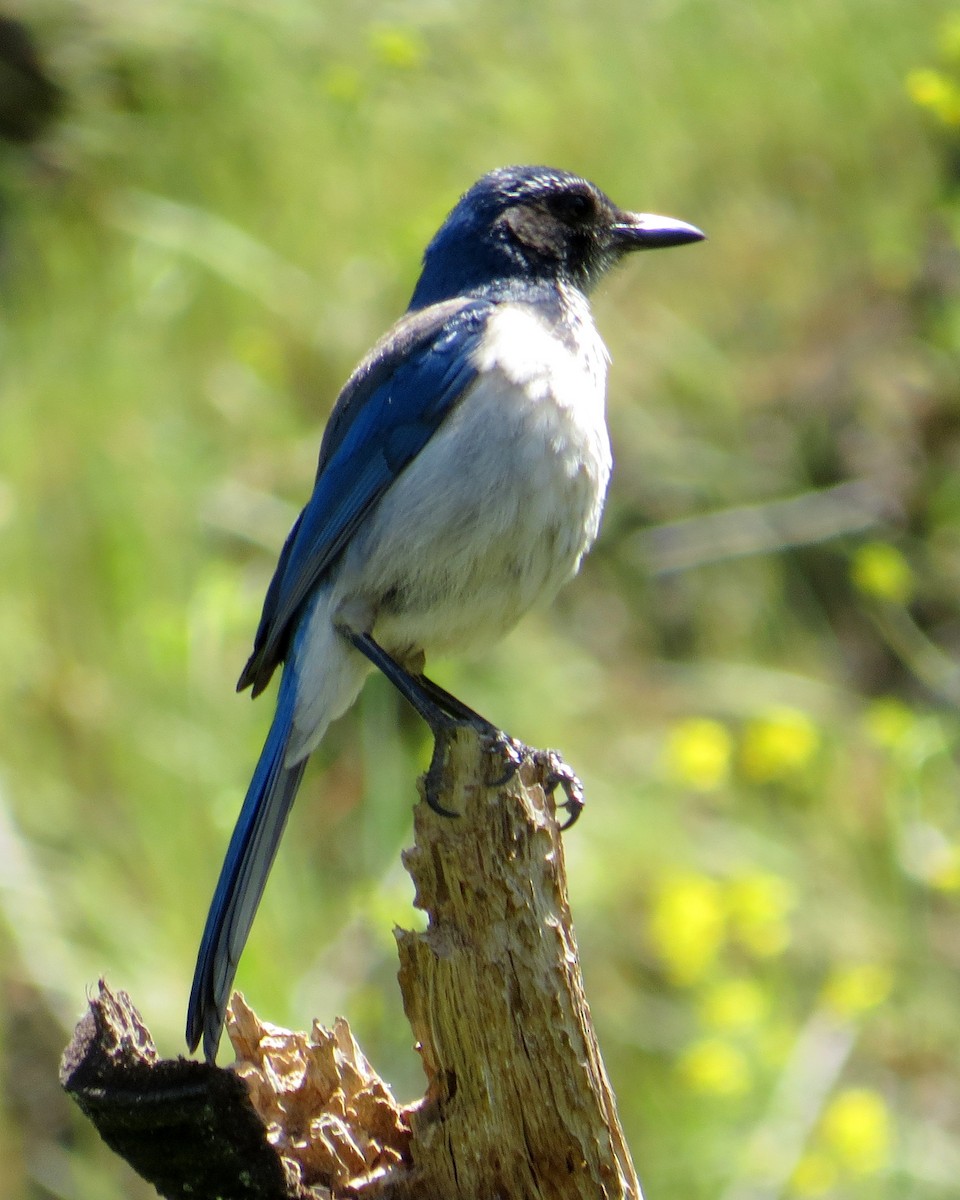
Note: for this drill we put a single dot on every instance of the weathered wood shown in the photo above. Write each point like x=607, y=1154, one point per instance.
x=187, y=1128
x=517, y=1106
x=518, y=1102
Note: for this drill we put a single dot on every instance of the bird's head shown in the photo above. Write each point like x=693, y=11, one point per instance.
x=536, y=224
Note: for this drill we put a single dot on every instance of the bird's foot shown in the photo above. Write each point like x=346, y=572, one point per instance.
x=552, y=770
x=554, y=773
x=494, y=741
x=509, y=749
x=433, y=780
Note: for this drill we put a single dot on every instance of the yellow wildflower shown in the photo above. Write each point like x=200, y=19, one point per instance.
x=698, y=754
x=856, y=1127
x=778, y=745
x=687, y=925
x=715, y=1068
x=813, y=1175
x=934, y=91
x=734, y=1004
x=880, y=570
x=853, y=990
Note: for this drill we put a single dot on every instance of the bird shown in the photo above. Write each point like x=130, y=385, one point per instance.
x=461, y=479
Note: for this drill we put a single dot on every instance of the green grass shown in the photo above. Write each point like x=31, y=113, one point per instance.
x=231, y=209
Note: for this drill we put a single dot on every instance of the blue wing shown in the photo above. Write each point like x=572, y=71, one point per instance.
x=385, y=415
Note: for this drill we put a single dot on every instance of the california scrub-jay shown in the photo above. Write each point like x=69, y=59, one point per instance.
x=461, y=479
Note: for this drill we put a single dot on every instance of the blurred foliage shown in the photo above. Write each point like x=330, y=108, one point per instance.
x=222, y=205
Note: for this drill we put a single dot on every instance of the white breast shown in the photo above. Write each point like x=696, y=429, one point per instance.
x=497, y=510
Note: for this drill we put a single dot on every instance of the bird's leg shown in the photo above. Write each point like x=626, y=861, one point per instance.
x=455, y=707
x=444, y=712
x=410, y=687
x=441, y=710
x=554, y=772
x=503, y=743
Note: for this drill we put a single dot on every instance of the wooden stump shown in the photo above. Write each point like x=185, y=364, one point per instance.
x=517, y=1105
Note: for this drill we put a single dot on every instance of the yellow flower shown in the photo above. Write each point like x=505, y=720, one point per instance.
x=734, y=1004
x=853, y=990
x=778, y=745
x=715, y=1068
x=879, y=569
x=759, y=905
x=813, y=1175
x=698, y=754
x=935, y=92
x=927, y=87
x=687, y=925
x=856, y=1127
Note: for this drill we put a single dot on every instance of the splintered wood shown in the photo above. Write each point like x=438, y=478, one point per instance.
x=517, y=1103
x=326, y=1111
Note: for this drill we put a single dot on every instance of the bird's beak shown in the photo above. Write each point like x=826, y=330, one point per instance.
x=647, y=231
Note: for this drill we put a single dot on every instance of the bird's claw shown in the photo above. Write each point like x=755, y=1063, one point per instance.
x=551, y=768
x=554, y=773
x=511, y=751
x=433, y=778
x=494, y=740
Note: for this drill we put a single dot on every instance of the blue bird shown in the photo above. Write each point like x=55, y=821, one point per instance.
x=461, y=480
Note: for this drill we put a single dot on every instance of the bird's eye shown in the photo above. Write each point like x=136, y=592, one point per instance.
x=574, y=208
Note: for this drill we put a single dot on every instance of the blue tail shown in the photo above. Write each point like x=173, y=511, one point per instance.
x=243, y=876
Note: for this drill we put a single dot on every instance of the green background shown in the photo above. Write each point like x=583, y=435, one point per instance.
x=755, y=674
